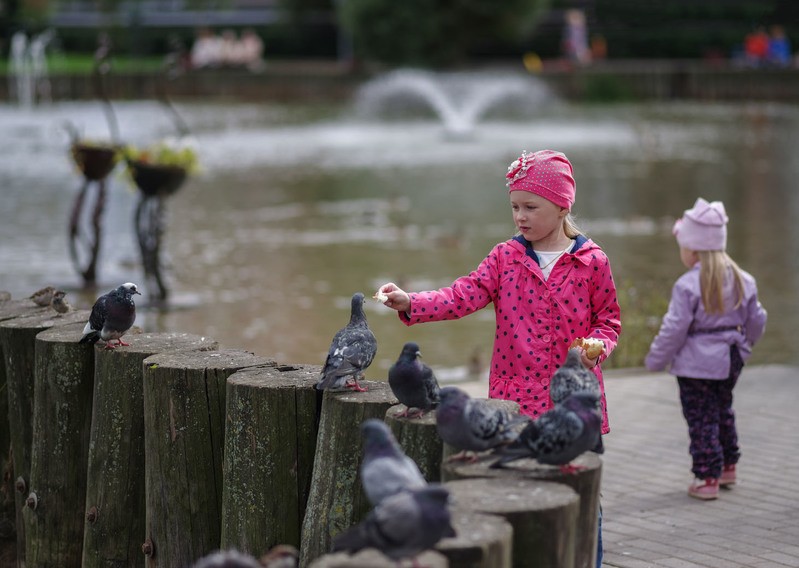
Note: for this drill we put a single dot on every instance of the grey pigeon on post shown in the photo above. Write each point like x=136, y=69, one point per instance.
x=559, y=435
x=403, y=525
x=413, y=382
x=385, y=469
x=352, y=350
x=112, y=316
x=43, y=297
x=471, y=425
x=572, y=377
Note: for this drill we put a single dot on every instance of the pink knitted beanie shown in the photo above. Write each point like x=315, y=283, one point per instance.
x=703, y=227
x=545, y=173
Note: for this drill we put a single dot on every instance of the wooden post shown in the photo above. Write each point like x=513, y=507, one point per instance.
x=18, y=334
x=419, y=440
x=585, y=482
x=481, y=541
x=115, y=514
x=270, y=441
x=184, y=430
x=62, y=415
x=543, y=515
x=337, y=501
x=372, y=558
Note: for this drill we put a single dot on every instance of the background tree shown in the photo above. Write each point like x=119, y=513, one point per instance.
x=431, y=33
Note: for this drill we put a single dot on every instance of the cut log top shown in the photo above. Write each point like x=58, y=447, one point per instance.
x=378, y=393
x=11, y=309
x=144, y=343
x=524, y=468
x=277, y=376
x=372, y=558
x=224, y=359
x=45, y=318
x=509, y=495
x=67, y=333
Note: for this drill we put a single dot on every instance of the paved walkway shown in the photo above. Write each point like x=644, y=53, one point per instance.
x=649, y=520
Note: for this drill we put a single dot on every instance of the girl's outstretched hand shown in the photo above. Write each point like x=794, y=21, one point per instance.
x=588, y=363
x=396, y=297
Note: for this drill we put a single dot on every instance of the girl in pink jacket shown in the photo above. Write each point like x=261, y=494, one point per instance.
x=549, y=285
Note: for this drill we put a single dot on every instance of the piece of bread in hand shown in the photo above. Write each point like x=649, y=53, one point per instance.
x=593, y=347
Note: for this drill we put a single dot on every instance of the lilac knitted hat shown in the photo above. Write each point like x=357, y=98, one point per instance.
x=545, y=173
x=703, y=227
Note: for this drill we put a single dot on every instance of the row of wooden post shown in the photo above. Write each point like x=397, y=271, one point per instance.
x=158, y=453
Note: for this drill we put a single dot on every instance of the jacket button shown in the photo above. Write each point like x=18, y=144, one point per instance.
x=547, y=338
x=546, y=293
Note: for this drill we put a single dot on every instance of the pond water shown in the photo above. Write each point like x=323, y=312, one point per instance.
x=298, y=207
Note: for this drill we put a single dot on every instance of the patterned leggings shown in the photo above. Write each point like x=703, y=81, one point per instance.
x=707, y=407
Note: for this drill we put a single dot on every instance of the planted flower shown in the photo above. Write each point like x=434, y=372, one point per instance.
x=162, y=168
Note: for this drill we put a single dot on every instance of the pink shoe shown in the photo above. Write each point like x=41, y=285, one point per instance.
x=704, y=489
x=727, y=476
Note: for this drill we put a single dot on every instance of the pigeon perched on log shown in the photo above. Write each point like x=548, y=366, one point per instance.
x=403, y=525
x=572, y=377
x=352, y=350
x=471, y=425
x=413, y=382
x=559, y=435
x=112, y=316
x=385, y=469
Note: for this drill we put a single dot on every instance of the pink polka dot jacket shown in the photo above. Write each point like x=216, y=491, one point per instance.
x=536, y=319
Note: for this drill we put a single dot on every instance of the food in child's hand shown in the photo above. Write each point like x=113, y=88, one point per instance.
x=593, y=347
x=380, y=297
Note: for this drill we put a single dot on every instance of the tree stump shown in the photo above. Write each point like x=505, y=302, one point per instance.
x=419, y=440
x=337, y=501
x=115, y=514
x=585, y=483
x=510, y=406
x=184, y=432
x=543, y=515
x=482, y=541
x=270, y=441
x=373, y=558
x=62, y=414
x=23, y=322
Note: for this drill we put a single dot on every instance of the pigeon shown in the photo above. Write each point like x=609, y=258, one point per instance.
x=572, y=377
x=59, y=303
x=227, y=559
x=280, y=556
x=559, y=435
x=352, y=350
x=471, y=425
x=43, y=297
x=403, y=525
x=413, y=382
x=385, y=469
x=112, y=316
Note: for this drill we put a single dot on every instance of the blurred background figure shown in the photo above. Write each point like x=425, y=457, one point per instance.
x=575, y=38
x=779, y=47
x=207, y=50
x=251, y=50
x=756, y=47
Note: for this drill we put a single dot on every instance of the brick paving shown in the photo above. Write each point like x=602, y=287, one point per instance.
x=649, y=520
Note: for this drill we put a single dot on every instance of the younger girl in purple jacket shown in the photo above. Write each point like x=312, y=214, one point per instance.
x=549, y=285
x=713, y=320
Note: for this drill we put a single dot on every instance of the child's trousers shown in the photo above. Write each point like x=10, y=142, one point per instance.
x=707, y=407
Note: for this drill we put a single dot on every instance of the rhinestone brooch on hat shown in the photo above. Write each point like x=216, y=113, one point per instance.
x=519, y=168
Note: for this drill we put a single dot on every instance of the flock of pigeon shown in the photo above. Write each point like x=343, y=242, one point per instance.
x=409, y=515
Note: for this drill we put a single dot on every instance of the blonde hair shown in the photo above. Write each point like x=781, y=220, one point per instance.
x=570, y=226
x=712, y=276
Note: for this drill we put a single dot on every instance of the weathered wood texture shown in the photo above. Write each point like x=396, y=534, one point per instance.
x=585, y=482
x=270, y=441
x=511, y=407
x=419, y=440
x=24, y=321
x=543, y=515
x=337, y=501
x=115, y=513
x=481, y=541
x=62, y=413
x=184, y=430
x=372, y=558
